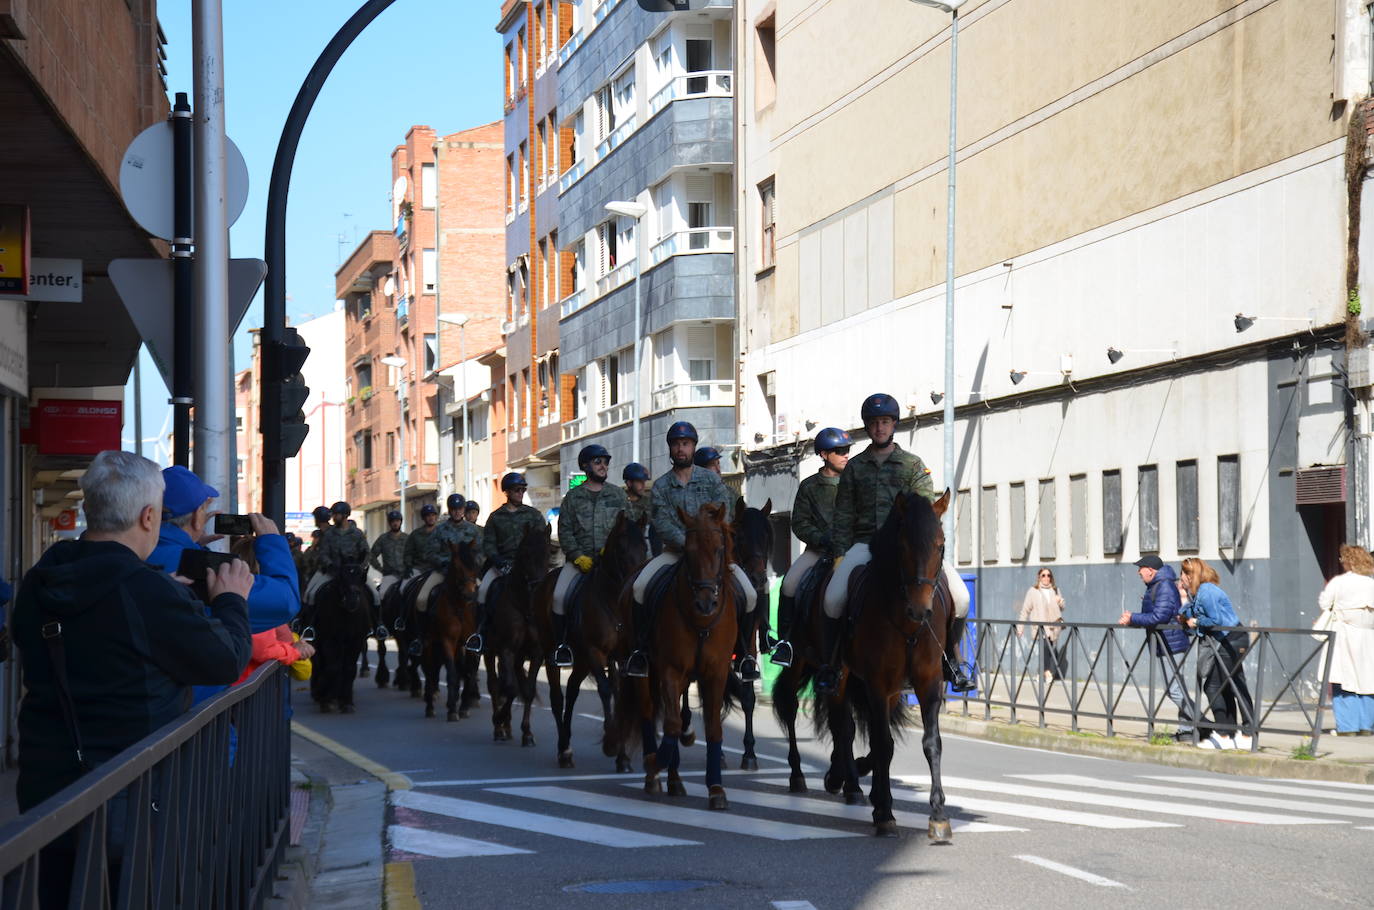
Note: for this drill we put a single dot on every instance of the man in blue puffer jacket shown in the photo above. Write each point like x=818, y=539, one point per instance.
x=1160, y=606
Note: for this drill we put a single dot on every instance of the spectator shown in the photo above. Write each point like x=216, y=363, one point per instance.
x=1347, y=604
x=1219, y=665
x=1044, y=603
x=278, y=644
x=1159, y=606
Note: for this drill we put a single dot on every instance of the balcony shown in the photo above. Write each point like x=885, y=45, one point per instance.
x=702, y=84
x=617, y=136
x=402, y=232
x=613, y=279
x=693, y=240
x=716, y=393
x=402, y=308
x=572, y=175
x=601, y=12
x=615, y=415
x=574, y=428
x=572, y=303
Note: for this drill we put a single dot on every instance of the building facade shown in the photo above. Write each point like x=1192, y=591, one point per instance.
x=1157, y=342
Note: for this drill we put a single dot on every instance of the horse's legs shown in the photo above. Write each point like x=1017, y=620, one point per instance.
x=843, y=773
x=472, y=685
x=712, y=690
x=931, y=698
x=525, y=681
x=686, y=736
x=505, y=671
x=431, y=680
x=554, y=675
x=365, y=669
x=494, y=691
x=668, y=755
x=455, y=680
x=750, y=761
x=880, y=749
x=639, y=691
x=563, y=712
x=383, y=675
x=785, y=703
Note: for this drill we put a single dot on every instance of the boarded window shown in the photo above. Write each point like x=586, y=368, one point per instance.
x=429, y=188
x=1016, y=502
x=963, y=531
x=987, y=523
x=1228, y=500
x=1147, y=497
x=1111, y=512
x=1045, y=513
x=1078, y=515
x=1185, y=494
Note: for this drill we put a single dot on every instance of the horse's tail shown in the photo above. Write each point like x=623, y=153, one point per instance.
x=734, y=691
x=787, y=697
x=856, y=697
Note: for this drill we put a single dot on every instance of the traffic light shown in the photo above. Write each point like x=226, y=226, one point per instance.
x=671, y=6
x=291, y=356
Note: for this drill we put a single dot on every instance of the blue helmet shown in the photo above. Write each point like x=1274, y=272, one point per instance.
x=592, y=451
x=472, y=506
x=340, y=508
x=321, y=513
x=456, y=501
x=634, y=471
x=831, y=438
x=682, y=430
x=513, y=479
x=393, y=515
x=880, y=405
x=428, y=509
x=705, y=455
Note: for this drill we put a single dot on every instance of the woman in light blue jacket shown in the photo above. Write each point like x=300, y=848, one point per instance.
x=1208, y=612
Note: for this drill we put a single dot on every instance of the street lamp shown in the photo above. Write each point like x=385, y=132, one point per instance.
x=402, y=470
x=461, y=320
x=635, y=210
x=951, y=7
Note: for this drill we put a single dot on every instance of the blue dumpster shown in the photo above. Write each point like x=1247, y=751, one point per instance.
x=969, y=649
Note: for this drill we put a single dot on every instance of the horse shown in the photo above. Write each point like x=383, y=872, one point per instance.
x=513, y=652
x=597, y=636
x=901, y=619
x=453, y=618
x=400, y=616
x=341, y=619
x=694, y=637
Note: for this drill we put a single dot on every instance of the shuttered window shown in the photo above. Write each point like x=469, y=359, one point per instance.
x=1078, y=515
x=1228, y=500
x=963, y=527
x=768, y=205
x=987, y=523
x=1147, y=497
x=1048, y=528
x=1016, y=506
x=1185, y=495
x=1111, y=513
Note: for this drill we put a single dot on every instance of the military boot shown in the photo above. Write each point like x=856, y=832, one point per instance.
x=782, y=651
x=954, y=670
x=828, y=676
x=637, y=665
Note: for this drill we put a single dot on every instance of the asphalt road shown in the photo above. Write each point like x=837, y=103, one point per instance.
x=503, y=826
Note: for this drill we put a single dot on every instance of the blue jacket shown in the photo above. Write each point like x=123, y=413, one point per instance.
x=275, y=599
x=1159, y=606
x=1211, y=607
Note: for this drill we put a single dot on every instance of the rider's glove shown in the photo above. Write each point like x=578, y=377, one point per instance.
x=583, y=563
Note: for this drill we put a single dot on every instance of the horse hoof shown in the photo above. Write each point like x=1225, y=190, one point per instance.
x=676, y=787
x=797, y=783
x=526, y=739
x=496, y=734
x=565, y=759
x=623, y=766
x=716, y=800
x=382, y=681
x=939, y=832
x=362, y=674
x=347, y=709
x=687, y=739
x=749, y=763
x=414, y=693
x=464, y=714
x=452, y=716
x=652, y=786
x=864, y=765
x=429, y=711
x=885, y=828
x=855, y=799
x=833, y=783
x=327, y=707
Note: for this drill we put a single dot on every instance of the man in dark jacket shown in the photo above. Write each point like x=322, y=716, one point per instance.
x=1159, y=606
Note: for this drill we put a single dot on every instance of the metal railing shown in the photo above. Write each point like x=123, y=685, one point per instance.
x=711, y=393
x=620, y=275
x=574, y=428
x=693, y=240
x=614, y=415
x=194, y=815
x=703, y=84
x=572, y=303
x=1110, y=674
x=616, y=137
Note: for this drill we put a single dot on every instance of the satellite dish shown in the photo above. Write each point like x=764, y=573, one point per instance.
x=388, y=287
x=398, y=195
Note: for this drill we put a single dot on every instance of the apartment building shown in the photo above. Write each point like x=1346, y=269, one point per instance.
x=1156, y=345
x=646, y=103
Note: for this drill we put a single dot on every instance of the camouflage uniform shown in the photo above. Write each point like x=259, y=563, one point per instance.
x=337, y=545
x=389, y=558
x=638, y=508
x=501, y=539
x=813, y=512
x=426, y=552
x=451, y=532
x=585, y=520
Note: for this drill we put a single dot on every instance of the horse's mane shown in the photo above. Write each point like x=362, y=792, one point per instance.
x=466, y=553
x=755, y=529
x=916, y=522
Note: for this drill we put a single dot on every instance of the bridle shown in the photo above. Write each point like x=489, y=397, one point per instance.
x=907, y=583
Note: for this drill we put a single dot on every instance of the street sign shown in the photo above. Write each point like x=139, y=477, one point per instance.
x=145, y=180
x=145, y=286
x=54, y=280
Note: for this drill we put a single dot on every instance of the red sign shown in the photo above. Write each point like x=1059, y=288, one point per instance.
x=65, y=520
x=63, y=427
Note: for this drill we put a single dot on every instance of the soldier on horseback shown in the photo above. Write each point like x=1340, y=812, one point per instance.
x=342, y=544
x=867, y=487
x=470, y=511
x=427, y=554
x=388, y=557
x=585, y=520
x=813, y=513
x=636, y=478
x=505, y=529
x=689, y=487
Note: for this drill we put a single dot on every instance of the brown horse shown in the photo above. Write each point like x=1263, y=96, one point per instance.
x=901, y=618
x=598, y=638
x=693, y=637
x=454, y=619
x=513, y=652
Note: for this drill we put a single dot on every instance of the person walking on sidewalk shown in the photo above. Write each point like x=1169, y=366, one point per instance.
x=1160, y=605
x=1044, y=603
x=1219, y=664
x=1347, y=604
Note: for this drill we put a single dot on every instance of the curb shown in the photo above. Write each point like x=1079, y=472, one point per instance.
x=1255, y=765
x=300, y=863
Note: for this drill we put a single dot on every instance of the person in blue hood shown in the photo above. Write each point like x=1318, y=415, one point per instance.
x=1160, y=606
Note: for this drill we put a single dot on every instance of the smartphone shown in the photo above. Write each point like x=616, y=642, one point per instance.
x=195, y=564
x=233, y=525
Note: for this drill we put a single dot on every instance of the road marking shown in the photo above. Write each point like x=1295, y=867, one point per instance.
x=443, y=846
x=548, y=779
x=782, y=761
x=1125, y=802
x=991, y=742
x=1263, y=788
x=674, y=814
x=793, y=905
x=399, y=887
x=1198, y=793
x=1070, y=871
x=1323, y=783
x=533, y=822
x=789, y=802
x=392, y=780
x=968, y=804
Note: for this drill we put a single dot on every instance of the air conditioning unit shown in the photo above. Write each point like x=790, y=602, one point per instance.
x=1318, y=486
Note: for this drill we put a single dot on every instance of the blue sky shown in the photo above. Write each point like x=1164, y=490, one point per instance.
x=435, y=62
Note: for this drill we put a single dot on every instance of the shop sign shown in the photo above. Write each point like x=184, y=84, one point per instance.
x=14, y=347
x=65, y=520
x=14, y=249
x=54, y=280
x=75, y=427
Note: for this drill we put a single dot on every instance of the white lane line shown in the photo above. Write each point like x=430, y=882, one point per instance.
x=1323, y=783
x=547, y=779
x=1202, y=794
x=1190, y=810
x=793, y=905
x=1070, y=871
x=443, y=846
x=970, y=804
x=532, y=822
x=988, y=742
x=1365, y=828
x=790, y=802
x=1261, y=788
x=674, y=814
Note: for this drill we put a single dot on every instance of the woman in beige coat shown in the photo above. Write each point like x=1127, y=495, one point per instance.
x=1349, y=600
x=1043, y=603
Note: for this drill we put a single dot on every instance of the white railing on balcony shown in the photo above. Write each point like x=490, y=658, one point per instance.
x=601, y=12
x=524, y=432
x=693, y=240
x=703, y=84
x=572, y=303
x=608, y=145
x=615, y=278
x=614, y=415
x=714, y=393
x=574, y=428
x=507, y=327
x=572, y=175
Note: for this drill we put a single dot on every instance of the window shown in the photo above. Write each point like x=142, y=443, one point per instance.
x=525, y=396
x=364, y=373
x=1078, y=515
x=1016, y=502
x=524, y=174
x=524, y=54
x=429, y=189
x=1045, y=514
x=570, y=138
x=699, y=58
x=541, y=32
x=363, y=441
x=1147, y=497
x=579, y=266
x=1185, y=496
x=429, y=270
x=610, y=385
x=1228, y=501
x=608, y=237
x=510, y=183
x=390, y=448
x=554, y=140
x=238, y=423
x=605, y=112
x=511, y=76
x=665, y=358
x=511, y=409
x=542, y=272
x=701, y=361
x=987, y=523
x=1111, y=513
x=541, y=149
x=623, y=88
x=701, y=192
x=431, y=454
x=768, y=238
x=765, y=64
x=242, y=468
x=431, y=352
x=963, y=528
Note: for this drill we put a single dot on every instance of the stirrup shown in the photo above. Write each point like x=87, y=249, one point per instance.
x=474, y=643
x=380, y=633
x=782, y=654
x=415, y=648
x=400, y=624
x=827, y=679
x=637, y=666
x=562, y=655
x=960, y=681
x=748, y=668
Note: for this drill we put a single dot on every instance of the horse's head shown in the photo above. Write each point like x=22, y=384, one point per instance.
x=532, y=556
x=753, y=541
x=911, y=543
x=463, y=570
x=706, y=553
x=626, y=546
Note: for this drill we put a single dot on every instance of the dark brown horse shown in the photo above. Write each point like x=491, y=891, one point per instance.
x=399, y=616
x=454, y=619
x=901, y=618
x=693, y=638
x=341, y=617
x=598, y=638
x=513, y=652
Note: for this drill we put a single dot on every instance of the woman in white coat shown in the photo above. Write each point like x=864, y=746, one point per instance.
x=1043, y=603
x=1347, y=604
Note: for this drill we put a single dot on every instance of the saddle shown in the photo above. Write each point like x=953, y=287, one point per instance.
x=658, y=589
x=852, y=601
x=810, y=588
x=572, y=600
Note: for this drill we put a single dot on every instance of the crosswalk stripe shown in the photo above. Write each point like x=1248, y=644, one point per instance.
x=443, y=846
x=674, y=814
x=1200, y=793
x=1338, y=784
x=789, y=802
x=1191, y=810
x=1022, y=810
x=1262, y=788
x=544, y=779
x=532, y=822
x=1089, y=877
